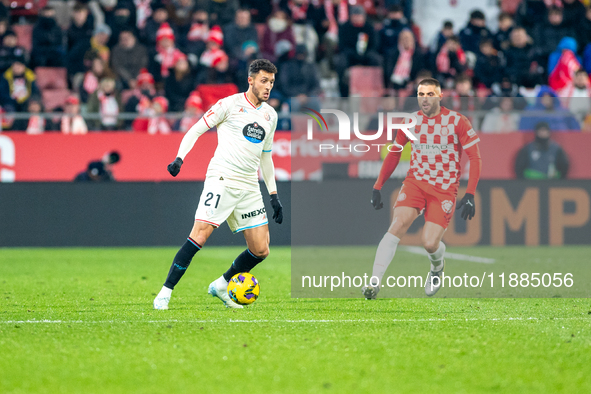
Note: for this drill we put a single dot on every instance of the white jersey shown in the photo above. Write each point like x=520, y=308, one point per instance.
x=244, y=133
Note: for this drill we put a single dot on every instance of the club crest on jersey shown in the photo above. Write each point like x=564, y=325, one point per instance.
x=254, y=132
x=401, y=197
x=447, y=206
x=444, y=130
x=267, y=116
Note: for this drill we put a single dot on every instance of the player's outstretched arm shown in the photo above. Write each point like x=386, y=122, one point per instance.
x=186, y=145
x=467, y=202
x=388, y=166
x=268, y=170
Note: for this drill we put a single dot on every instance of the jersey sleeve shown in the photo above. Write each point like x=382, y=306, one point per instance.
x=268, y=146
x=218, y=112
x=466, y=133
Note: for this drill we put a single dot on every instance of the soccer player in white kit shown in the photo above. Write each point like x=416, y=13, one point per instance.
x=245, y=126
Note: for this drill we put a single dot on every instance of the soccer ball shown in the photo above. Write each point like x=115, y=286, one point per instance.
x=243, y=288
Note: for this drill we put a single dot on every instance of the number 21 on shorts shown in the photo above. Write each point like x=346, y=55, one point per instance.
x=209, y=197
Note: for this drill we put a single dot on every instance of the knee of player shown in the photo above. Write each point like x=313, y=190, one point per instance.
x=200, y=239
x=431, y=245
x=261, y=252
x=398, y=224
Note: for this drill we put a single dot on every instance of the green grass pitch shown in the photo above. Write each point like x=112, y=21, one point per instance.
x=81, y=321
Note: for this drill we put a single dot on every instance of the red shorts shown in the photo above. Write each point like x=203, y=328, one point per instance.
x=438, y=205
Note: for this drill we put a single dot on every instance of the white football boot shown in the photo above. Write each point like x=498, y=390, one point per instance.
x=161, y=302
x=219, y=288
x=370, y=292
x=430, y=290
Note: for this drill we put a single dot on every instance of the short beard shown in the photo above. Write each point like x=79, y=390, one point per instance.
x=434, y=109
x=258, y=95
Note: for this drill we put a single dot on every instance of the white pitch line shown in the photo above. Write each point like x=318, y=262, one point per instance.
x=493, y=319
x=455, y=256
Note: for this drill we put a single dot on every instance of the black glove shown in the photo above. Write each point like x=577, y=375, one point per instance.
x=277, y=209
x=175, y=167
x=376, y=199
x=469, y=208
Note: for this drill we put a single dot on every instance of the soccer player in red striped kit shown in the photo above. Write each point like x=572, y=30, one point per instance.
x=431, y=184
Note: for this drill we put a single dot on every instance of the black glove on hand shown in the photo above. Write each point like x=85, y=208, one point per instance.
x=277, y=209
x=469, y=208
x=376, y=199
x=175, y=167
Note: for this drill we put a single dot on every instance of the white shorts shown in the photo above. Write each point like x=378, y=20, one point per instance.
x=243, y=209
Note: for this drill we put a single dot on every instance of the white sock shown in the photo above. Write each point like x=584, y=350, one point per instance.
x=384, y=255
x=165, y=292
x=437, y=257
x=221, y=281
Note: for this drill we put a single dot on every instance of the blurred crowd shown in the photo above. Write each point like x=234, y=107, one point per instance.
x=149, y=58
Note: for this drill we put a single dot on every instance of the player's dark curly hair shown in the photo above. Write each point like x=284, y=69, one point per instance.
x=261, y=64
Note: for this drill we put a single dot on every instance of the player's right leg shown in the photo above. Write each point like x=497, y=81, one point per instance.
x=215, y=205
x=403, y=218
x=199, y=234
x=248, y=217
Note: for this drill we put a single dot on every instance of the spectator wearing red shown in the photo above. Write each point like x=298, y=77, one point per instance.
x=198, y=33
x=403, y=62
x=166, y=55
x=278, y=28
x=36, y=123
x=451, y=60
x=90, y=82
x=148, y=34
x=141, y=100
x=214, y=61
x=106, y=102
x=193, y=112
x=337, y=13
x=72, y=122
x=143, y=9
x=158, y=124
x=563, y=63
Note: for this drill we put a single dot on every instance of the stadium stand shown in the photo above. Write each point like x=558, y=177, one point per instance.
x=449, y=56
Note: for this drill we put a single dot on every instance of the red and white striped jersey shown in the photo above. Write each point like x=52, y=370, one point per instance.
x=436, y=154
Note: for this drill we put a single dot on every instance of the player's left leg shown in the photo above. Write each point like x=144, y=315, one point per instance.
x=249, y=217
x=438, y=213
x=257, y=240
